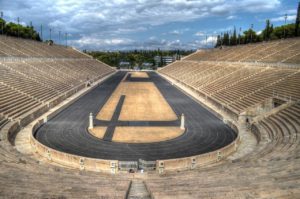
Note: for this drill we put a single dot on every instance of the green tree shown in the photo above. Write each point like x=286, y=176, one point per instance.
x=278, y=32
x=17, y=30
x=267, y=31
x=135, y=57
x=297, y=29
x=233, y=38
x=2, y=25
x=219, y=40
x=250, y=36
x=226, y=39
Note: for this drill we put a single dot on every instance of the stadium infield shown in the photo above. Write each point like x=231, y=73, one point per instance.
x=68, y=132
x=143, y=102
x=139, y=75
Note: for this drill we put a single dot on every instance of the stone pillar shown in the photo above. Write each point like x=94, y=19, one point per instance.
x=219, y=156
x=193, y=162
x=81, y=163
x=49, y=154
x=113, y=167
x=182, y=122
x=161, y=167
x=235, y=145
x=91, y=124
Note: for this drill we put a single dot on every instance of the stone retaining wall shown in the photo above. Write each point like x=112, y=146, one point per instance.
x=70, y=160
x=108, y=166
x=198, y=160
x=111, y=166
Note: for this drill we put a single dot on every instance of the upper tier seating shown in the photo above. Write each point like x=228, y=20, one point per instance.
x=283, y=51
x=236, y=85
x=271, y=170
x=33, y=73
x=39, y=82
x=227, y=78
x=16, y=47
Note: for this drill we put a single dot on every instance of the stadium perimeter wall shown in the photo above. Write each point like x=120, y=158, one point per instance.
x=202, y=159
x=70, y=160
x=112, y=166
x=100, y=165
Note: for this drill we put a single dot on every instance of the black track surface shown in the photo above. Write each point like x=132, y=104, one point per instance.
x=67, y=131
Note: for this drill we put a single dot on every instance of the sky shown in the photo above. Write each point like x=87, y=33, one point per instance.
x=110, y=25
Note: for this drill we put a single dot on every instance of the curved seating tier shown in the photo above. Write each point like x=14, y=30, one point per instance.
x=27, y=84
x=17, y=47
x=283, y=51
x=24, y=177
x=270, y=171
x=32, y=75
x=236, y=85
x=227, y=78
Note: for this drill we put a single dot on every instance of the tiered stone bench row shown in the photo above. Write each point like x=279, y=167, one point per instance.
x=15, y=47
x=236, y=85
x=284, y=51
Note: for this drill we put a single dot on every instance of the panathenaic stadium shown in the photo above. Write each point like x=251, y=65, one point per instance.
x=219, y=123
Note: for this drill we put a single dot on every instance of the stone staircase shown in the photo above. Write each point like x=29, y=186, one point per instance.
x=138, y=190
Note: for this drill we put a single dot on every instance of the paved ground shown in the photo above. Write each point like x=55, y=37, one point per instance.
x=68, y=130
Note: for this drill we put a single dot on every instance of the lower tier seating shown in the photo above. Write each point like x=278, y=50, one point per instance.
x=3, y=121
x=24, y=177
x=27, y=84
x=236, y=85
x=270, y=171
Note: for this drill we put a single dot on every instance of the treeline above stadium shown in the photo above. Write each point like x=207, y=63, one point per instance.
x=269, y=33
x=250, y=36
x=136, y=57
x=18, y=30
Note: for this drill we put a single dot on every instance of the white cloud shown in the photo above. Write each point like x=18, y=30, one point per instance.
x=118, y=12
x=288, y=12
x=56, y=24
x=211, y=40
x=175, y=32
x=23, y=23
x=151, y=43
x=103, y=20
x=90, y=42
x=152, y=38
x=282, y=18
x=231, y=17
x=254, y=6
x=200, y=34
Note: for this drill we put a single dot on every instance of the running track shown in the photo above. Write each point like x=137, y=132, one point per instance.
x=67, y=131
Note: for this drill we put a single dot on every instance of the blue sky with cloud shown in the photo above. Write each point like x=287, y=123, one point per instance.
x=144, y=24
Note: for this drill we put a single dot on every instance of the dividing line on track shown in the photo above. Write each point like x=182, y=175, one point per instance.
x=114, y=120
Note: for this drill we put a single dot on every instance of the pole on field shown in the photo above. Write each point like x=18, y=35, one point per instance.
x=182, y=122
x=91, y=124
